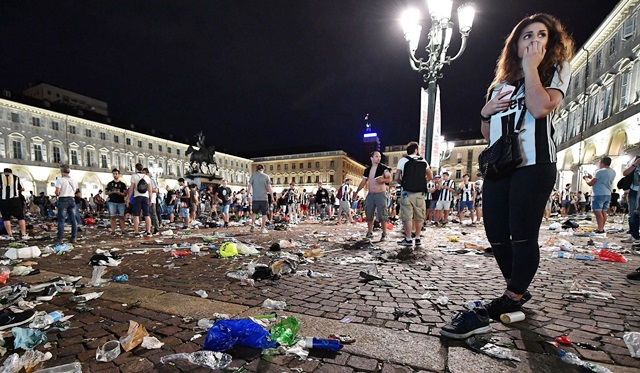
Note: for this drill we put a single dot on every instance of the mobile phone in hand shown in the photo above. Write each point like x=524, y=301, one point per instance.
x=506, y=88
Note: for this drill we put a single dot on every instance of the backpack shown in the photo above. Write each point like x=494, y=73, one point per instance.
x=142, y=186
x=339, y=194
x=626, y=182
x=414, y=175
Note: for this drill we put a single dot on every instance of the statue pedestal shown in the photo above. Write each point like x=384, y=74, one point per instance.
x=204, y=179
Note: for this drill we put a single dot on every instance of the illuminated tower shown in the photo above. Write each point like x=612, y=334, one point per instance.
x=370, y=140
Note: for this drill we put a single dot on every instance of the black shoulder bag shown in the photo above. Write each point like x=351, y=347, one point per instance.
x=504, y=155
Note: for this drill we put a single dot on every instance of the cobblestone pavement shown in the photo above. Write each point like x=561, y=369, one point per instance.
x=421, y=277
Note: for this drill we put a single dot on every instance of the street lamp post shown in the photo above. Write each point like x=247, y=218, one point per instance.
x=439, y=39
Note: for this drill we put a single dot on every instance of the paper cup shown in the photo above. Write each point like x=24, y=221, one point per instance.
x=512, y=317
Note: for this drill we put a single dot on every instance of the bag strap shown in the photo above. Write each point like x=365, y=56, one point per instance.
x=523, y=112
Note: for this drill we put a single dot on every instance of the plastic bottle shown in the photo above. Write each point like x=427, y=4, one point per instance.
x=42, y=321
x=571, y=358
x=209, y=359
x=67, y=368
x=86, y=297
x=562, y=254
x=585, y=257
x=323, y=344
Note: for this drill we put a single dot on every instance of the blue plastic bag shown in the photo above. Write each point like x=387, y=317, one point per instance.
x=225, y=334
x=27, y=339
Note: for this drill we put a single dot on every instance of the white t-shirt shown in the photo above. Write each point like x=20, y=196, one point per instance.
x=135, y=178
x=67, y=186
x=537, y=142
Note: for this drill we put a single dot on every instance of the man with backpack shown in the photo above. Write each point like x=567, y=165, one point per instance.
x=344, y=196
x=412, y=173
x=140, y=188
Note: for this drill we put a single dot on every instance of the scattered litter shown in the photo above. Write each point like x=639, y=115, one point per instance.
x=442, y=300
x=108, y=351
x=346, y=320
x=485, y=345
x=202, y=294
x=273, y=304
x=134, y=336
x=152, y=343
x=209, y=359
x=632, y=340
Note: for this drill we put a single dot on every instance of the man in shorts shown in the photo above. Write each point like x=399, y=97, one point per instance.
x=141, y=200
x=257, y=193
x=170, y=200
x=185, y=196
x=376, y=176
x=223, y=196
x=447, y=190
x=412, y=173
x=10, y=204
x=116, y=191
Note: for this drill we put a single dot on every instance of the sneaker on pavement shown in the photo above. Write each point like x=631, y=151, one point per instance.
x=47, y=294
x=383, y=237
x=501, y=305
x=148, y=234
x=630, y=239
x=137, y=235
x=369, y=236
x=405, y=242
x=265, y=231
x=418, y=242
x=9, y=319
x=25, y=237
x=467, y=323
x=72, y=240
x=251, y=229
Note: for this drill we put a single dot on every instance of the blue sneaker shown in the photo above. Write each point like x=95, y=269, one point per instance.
x=467, y=323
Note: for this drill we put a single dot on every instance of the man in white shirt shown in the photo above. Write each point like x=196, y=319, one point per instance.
x=65, y=191
x=141, y=190
x=152, y=203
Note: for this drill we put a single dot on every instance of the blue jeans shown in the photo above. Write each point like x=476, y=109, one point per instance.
x=67, y=206
x=634, y=220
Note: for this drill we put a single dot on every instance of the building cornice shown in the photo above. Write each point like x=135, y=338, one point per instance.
x=604, y=32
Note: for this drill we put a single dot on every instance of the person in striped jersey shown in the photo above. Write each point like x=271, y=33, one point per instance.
x=10, y=204
x=443, y=205
x=467, y=197
x=532, y=76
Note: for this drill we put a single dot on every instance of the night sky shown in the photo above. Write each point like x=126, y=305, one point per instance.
x=260, y=76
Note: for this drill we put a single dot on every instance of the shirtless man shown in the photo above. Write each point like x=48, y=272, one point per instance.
x=376, y=176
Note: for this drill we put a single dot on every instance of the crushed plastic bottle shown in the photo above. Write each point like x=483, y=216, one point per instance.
x=28, y=361
x=209, y=359
x=43, y=320
x=571, y=358
x=285, y=331
x=66, y=368
x=108, y=351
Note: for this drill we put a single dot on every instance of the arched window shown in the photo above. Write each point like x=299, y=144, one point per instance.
x=17, y=146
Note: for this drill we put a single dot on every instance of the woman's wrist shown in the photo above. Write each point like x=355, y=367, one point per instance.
x=484, y=118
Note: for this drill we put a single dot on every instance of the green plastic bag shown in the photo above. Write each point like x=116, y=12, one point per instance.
x=228, y=249
x=285, y=331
